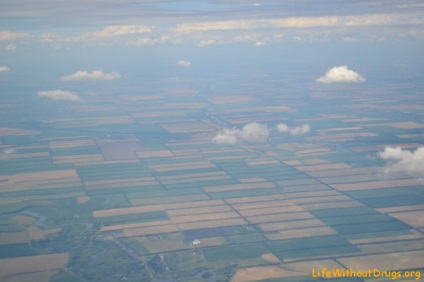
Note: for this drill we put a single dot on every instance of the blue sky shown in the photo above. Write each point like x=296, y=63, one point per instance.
x=44, y=40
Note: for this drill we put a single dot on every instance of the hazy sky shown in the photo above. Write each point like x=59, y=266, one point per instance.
x=59, y=38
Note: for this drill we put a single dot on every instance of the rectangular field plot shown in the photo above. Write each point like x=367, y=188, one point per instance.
x=235, y=252
x=301, y=233
x=311, y=247
x=112, y=171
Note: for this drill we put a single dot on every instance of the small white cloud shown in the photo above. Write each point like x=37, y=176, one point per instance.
x=183, y=63
x=59, y=95
x=205, y=43
x=228, y=136
x=94, y=75
x=341, y=75
x=297, y=130
x=10, y=47
x=119, y=30
x=250, y=132
x=403, y=161
x=4, y=69
x=260, y=43
x=9, y=151
x=147, y=41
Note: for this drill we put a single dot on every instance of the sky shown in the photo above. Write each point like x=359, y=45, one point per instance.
x=43, y=41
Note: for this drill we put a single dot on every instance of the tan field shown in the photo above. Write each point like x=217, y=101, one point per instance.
x=392, y=261
x=376, y=184
x=400, y=246
x=13, y=266
x=196, y=179
x=71, y=143
x=254, y=163
x=36, y=233
x=352, y=178
x=148, y=208
x=315, y=161
x=204, y=217
x=301, y=233
x=313, y=151
x=297, y=182
x=322, y=193
x=78, y=159
x=282, y=209
x=199, y=210
x=249, y=199
x=13, y=237
x=83, y=199
x=182, y=166
x=170, y=199
x=413, y=218
x=18, y=156
x=323, y=167
x=263, y=204
x=24, y=219
x=149, y=230
x=154, y=154
x=31, y=277
x=249, y=180
x=124, y=184
x=345, y=204
x=136, y=225
x=262, y=273
x=343, y=172
x=270, y=258
x=232, y=187
x=4, y=131
x=280, y=217
x=286, y=225
x=211, y=223
x=39, y=180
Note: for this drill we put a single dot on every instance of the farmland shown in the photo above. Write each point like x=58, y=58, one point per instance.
x=136, y=188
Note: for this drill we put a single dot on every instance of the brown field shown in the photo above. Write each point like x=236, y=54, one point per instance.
x=413, y=218
x=293, y=163
x=168, y=200
x=182, y=166
x=265, y=162
x=36, y=233
x=263, y=211
x=391, y=247
x=297, y=182
x=262, y=273
x=303, y=232
x=122, y=183
x=211, y=223
x=149, y=230
x=376, y=184
x=264, y=204
x=249, y=180
x=83, y=199
x=401, y=208
x=44, y=197
x=13, y=266
x=196, y=179
x=24, y=219
x=154, y=154
x=313, y=151
x=31, y=277
x=204, y=217
x=300, y=188
x=350, y=178
x=136, y=225
x=198, y=210
x=71, y=143
x=280, y=217
x=4, y=131
x=249, y=199
x=323, y=167
x=345, y=204
x=343, y=172
x=242, y=186
x=148, y=208
x=414, y=235
x=392, y=261
x=294, y=224
x=13, y=237
x=295, y=195
x=39, y=180
x=321, y=199
x=78, y=159
x=315, y=161
x=18, y=156
x=270, y=258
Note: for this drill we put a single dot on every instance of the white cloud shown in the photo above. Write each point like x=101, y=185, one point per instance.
x=147, y=41
x=4, y=69
x=183, y=63
x=205, y=43
x=8, y=36
x=297, y=130
x=260, y=43
x=250, y=132
x=59, y=95
x=94, y=75
x=119, y=30
x=10, y=47
x=403, y=161
x=341, y=75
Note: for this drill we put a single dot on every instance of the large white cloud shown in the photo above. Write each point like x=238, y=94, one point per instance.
x=183, y=63
x=403, y=161
x=297, y=130
x=94, y=75
x=341, y=75
x=59, y=95
x=4, y=69
x=250, y=132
